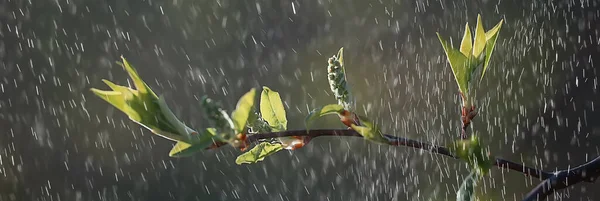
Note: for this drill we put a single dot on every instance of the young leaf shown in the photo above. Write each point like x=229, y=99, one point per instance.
x=467, y=44
x=479, y=43
x=369, y=130
x=242, y=111
x=325, y=110
x=183, y=149
x=340, y=56
x=459, y=64
x=491, y=37
x=217, y=117
x=137, y=81
x=257, y=124
x=258, y=153
x=466, y=192
x=142, y=106
x=272, y=110
x=472, y=151
x=180, y=127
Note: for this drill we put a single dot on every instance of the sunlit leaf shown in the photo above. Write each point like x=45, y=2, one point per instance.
x=466, y=192
x=199, y=143
x=340, y=56
x=272, y=110
x=142, y=106
x=258, y=153
x=459, y=64
x=471, y=151
x=467, y=42
x=242, y=112
x=491, y=36
x=325, y=110
x=479, y=42
x=140, y=85
x=369, y=130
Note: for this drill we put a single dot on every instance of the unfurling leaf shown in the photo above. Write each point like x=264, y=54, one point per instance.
x=466, y=192
x=199, y=143
x=258, y=153
x=325, y=110
x=144, y=107
x=479, y=42
x=257, y=124
x=272, y=110
x=217, y=117
x=466, y=46
x=471, y=62
x=490, y=37
x=369, y=130
x=459, y=64
x=472, y=151
x=243, y=110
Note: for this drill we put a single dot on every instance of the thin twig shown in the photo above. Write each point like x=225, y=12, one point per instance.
x=398, y=141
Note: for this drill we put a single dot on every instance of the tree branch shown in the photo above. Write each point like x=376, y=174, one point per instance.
x=398, y=141
x=587, y=172
x=552, y=182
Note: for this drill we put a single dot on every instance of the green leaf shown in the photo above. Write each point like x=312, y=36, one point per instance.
x=325, y=110
x=466, y=192
x=494, y=31
x=369, y=130
x=142, y=106
x=479, y=43
x=242, y=111
x=140, y=85
x=340, y=57
x=272, y=110
x=179, y=126
x=201, y=142
x=218, y=118
x=459, y=64
x=491, y=36
x=117, y=99
x=258, y=153
x=471, y=151
x=467, y=42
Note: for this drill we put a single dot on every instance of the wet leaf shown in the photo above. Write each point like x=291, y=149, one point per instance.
x=258, y=153
x=459, y=64
x=491, y=36
x=322, y=111
x=467, y=42
x=466, y=192
x=369, y=130
x=142, y=106
x=242, y=112
x=479, y=42
x=218, y=119
x=179, y=126
x=272, y=110
x=340, y=56
x=471, y=151
x=201, y=142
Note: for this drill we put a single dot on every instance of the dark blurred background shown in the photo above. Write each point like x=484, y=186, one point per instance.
x=538, y=102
